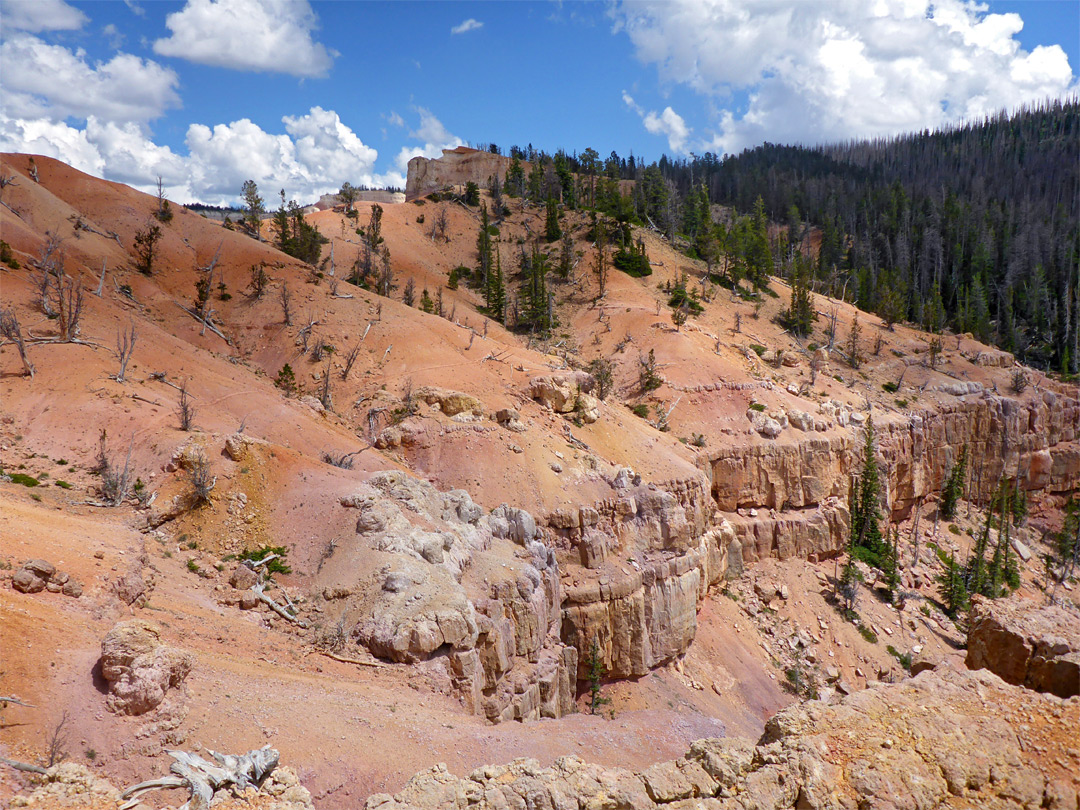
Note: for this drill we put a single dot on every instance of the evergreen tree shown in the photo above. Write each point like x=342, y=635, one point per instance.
x=566, y=254
x=953, y=590
x=483, y=248
x=281, y=225
x=552, y=232
x=495, y=292
x=801, y=316
x=514, y=185
x=954, y=485
x=865, y=515
x=759, y=260
x=253, y=207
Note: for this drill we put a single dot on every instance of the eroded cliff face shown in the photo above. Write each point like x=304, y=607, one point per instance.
x=517, y=605
x=635, y=566
x=1036, y=436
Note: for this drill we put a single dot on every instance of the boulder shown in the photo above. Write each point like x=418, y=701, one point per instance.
x=450, y=403
x=244, y=577
x=139, y=667
x=1026, y=643
x=26, y=581
x=34, y=576
x=801, y=420
x=765, y=425
x=554, y=393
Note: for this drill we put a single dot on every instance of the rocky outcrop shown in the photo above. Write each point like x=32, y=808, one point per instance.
x=1024, y=643
x=426, y=592
x=455, y=168
x=139, y=668
x=34, y=576
x=918, y=743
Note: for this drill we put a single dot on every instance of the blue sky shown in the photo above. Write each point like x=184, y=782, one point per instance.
x=207, y=93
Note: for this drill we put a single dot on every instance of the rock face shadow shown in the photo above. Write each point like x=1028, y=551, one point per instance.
x=100, y=684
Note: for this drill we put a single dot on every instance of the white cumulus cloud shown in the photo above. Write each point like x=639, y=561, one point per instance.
x=820, y=71
x=272, y=36
x=434, y=137
x=668, y=123
x=40, y=15
x=466, y=26
x=54, y=82
x=315, y=154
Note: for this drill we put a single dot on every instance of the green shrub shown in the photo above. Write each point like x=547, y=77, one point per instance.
x=757, y=406
x=890, y=387
x=7, y=256
x=903, y=658
x=192, y=566
x=24, y=479
x=275, y=566
x=868, y=634
x=63, y=484
x=286, y=379
x=757, y=349
x=641, y=409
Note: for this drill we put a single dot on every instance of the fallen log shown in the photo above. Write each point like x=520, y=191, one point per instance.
x=204, y=778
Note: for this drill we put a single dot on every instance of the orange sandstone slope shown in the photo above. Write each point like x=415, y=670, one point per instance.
x=464, y=404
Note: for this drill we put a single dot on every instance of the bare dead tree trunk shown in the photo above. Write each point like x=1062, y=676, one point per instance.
x=185, y=409
x=69, y=303
x=286, y=304
x=203, y=778
x=10, y=330
x=125, y=346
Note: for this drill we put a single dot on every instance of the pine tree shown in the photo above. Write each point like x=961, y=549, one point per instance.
x=855, y=357
x=495, y=292
x=801, y=316
x=953, y=590
x=566, y=254
x=865, y=514
x=954, y=485
x=253, y=207
x=552, y=232
x=594, y=666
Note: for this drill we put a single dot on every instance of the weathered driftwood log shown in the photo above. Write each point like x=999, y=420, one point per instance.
x=274, y=606
x=204, y=778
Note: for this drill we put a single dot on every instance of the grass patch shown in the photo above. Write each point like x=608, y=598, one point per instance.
x=757, y=348
x=890, y=387
x=757, y=406
x=868, y=634
x=24, y=479
x=903, y=658
x=641, y=409
x=62, y=484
